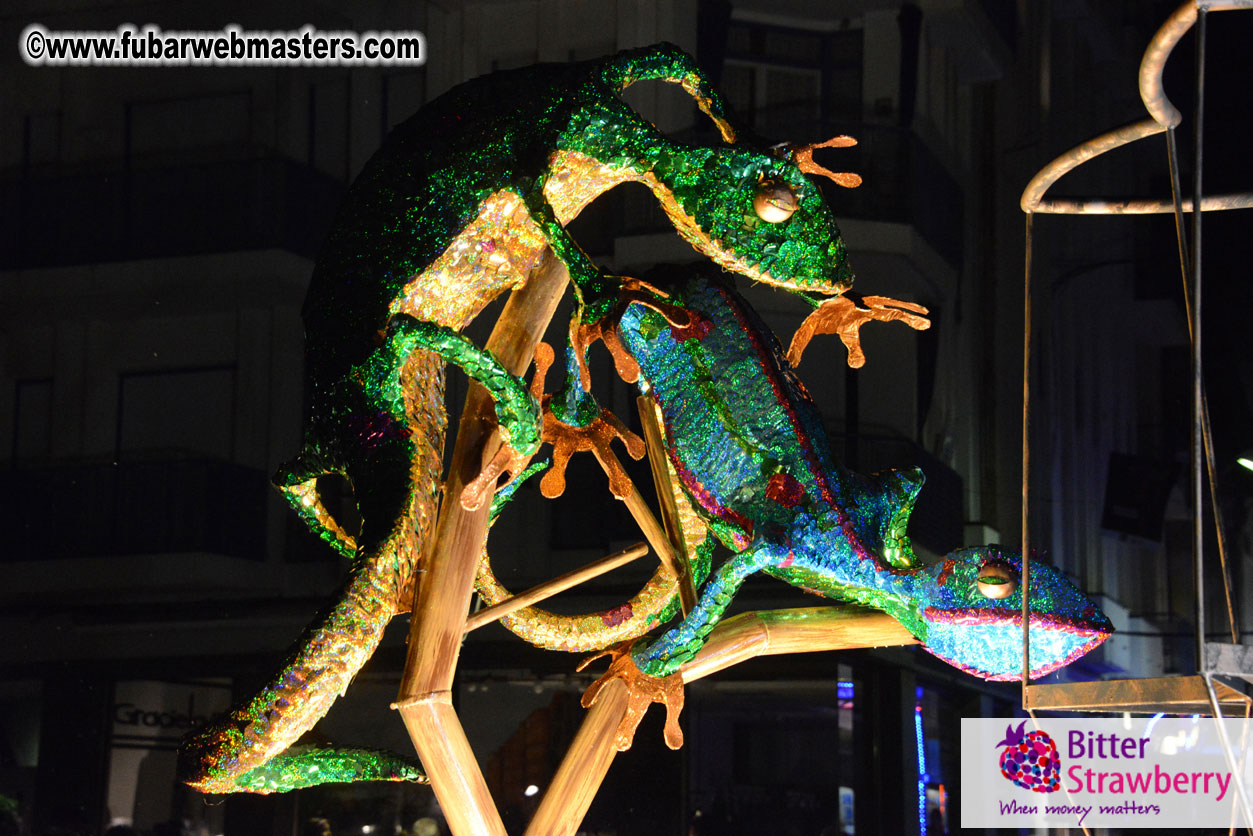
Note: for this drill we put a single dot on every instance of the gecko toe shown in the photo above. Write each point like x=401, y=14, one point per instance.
x=642, y=691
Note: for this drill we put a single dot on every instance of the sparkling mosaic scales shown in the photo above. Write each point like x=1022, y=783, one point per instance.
x=750, y=451
x=460, y=204
x=656, y=603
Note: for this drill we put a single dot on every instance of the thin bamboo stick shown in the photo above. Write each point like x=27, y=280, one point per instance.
x=665, y=496
x=643, y=515
x=558, y=584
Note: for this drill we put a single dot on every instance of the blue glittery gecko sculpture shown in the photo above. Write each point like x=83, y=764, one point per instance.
x=750, y=452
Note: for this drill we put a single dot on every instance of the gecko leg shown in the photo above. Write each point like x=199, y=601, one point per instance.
x=652, y=671
x=642, y=691
x=680, y=643
x=574, y=422
x=844, y=315
x=605, y=328
x=601, y=297
x=517, y=413
x=297, y=480
x=668, y=63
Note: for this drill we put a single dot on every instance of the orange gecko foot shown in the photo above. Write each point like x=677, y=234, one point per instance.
x=484, y=486
x=568, y=439
x=844, y=316
x=642, y=691
x=506, y=459
x=596, y=438
x=584, y=334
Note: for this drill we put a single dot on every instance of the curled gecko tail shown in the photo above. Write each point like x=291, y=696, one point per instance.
x=656, y=603
x=298, y=482
x=248, y=750
x=667, y=62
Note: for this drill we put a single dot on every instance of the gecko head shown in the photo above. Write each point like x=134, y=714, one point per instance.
x=971, y=606
x=755, y=213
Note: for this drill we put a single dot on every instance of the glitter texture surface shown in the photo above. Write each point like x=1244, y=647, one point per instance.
x=656, y=603
x=459, y=205
x=750, y=452
x=304, y=766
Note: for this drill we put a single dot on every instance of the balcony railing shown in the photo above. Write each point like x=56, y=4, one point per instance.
x=188, y=209
x=149, y=507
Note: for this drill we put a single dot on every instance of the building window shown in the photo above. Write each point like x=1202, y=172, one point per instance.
x=172, y=127
x=786, y=82
x=182, y=411
x=32, y=421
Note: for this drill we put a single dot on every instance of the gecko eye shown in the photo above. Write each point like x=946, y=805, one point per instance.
x=995, y=580
x=774, y=201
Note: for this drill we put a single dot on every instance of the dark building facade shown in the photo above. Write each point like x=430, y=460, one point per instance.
x=159, y=229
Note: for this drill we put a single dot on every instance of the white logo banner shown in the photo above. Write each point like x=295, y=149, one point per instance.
x=1108, y=772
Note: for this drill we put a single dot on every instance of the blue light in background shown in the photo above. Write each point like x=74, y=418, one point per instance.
x=922, y=767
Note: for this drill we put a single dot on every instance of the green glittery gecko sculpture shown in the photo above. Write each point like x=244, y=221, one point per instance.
x=463, y=202
x=749, y=450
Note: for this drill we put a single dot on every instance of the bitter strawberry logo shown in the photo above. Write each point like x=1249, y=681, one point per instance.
x=1030, y=760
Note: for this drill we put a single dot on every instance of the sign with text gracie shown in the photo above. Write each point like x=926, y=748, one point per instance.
x=1109, y=772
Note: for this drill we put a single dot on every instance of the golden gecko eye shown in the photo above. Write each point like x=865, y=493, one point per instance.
x=775, y=201
x=995, y=580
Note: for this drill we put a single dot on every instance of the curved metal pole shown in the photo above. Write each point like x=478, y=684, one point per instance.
x=1152, y=93
x=1142, y=206
x=1164, y=117
x=1198, y=388
x=1033, y=201
x=1080, y=154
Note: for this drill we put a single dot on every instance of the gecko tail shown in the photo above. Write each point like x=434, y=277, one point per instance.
x=297, y=481
x=249, y=750
x=308, y=766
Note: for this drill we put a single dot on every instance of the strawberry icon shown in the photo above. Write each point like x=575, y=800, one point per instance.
x=1030, y=760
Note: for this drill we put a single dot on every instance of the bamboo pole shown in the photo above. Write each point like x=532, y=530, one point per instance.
x=550, y=588
x=448, y=578
x=587, y=761
x=665, y=496
x=804, y=630
x=449, y=566
x=463, y=795
x=584, y=767
x=652, y=530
